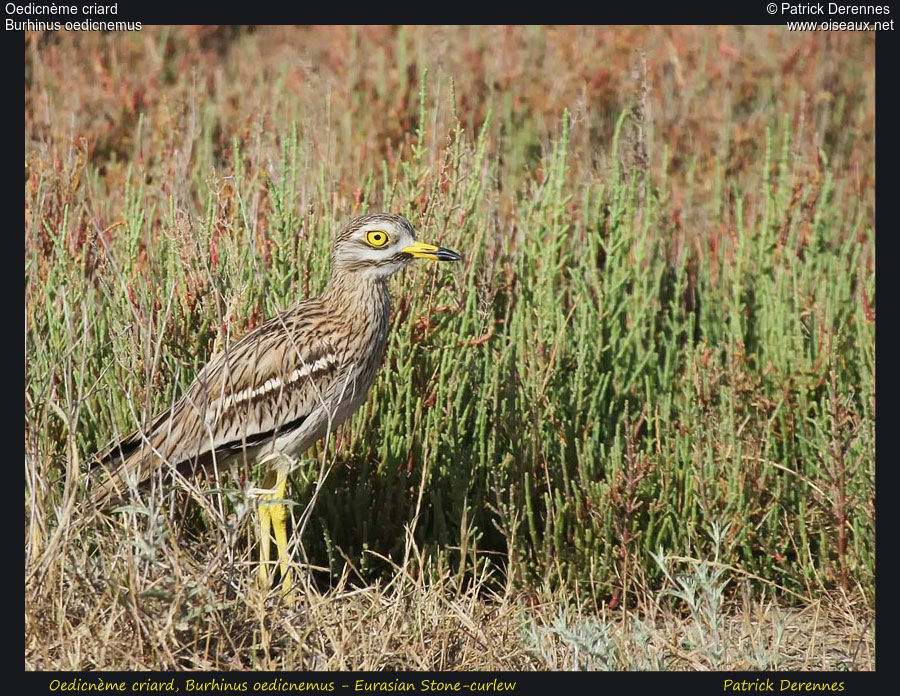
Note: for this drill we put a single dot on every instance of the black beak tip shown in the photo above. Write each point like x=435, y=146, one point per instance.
x=447, y=255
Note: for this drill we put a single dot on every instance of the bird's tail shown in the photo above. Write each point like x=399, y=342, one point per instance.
x=125, y=464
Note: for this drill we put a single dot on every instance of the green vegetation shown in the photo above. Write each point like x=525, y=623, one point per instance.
x=660, y=342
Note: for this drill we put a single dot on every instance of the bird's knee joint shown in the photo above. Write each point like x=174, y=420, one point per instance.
x=278, y=512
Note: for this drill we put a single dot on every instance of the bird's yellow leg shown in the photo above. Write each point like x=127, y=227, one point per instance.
x=265, y=524
x=278, y=513
x=273, y=516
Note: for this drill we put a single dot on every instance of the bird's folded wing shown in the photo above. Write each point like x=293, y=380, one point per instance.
x=264, y=384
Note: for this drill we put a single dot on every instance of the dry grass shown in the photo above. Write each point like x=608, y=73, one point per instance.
x=197, y=607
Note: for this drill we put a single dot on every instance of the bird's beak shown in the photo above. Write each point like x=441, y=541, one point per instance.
x=420, y=250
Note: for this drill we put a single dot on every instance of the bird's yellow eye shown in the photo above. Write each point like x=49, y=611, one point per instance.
x=376, y=238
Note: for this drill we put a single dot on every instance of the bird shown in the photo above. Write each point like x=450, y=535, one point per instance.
x=272, y=394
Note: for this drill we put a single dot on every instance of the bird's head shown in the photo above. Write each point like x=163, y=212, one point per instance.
x=380, y=244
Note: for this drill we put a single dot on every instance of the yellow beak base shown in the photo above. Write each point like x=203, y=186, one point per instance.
x=421, y=250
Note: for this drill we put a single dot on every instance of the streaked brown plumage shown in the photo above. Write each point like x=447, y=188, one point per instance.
x=289, y=382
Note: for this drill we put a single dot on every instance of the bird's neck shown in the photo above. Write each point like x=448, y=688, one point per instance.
x=360, y=297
